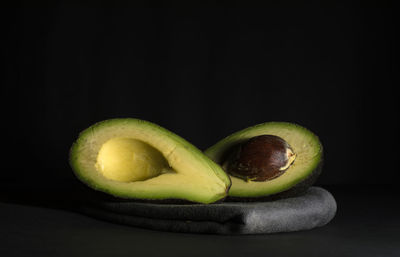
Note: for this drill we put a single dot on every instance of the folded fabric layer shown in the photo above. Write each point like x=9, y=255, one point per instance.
x=313, y=209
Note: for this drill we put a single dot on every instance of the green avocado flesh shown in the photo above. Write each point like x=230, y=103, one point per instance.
x=136, y=159
x=304, y=143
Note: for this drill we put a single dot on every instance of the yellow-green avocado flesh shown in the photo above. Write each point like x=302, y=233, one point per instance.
x=136, y=159
x=304, y=143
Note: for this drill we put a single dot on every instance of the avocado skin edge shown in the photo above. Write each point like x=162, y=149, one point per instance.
x=96, y=196
x=297, y=190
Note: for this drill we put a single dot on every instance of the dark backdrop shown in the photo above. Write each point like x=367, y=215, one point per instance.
x=202, y=73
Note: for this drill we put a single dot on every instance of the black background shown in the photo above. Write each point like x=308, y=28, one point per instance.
x=203, y=73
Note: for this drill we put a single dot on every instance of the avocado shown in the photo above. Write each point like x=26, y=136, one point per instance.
x=136, y=159
x=271, y=160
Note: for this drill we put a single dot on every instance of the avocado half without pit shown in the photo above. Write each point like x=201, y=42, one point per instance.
x=136, y=159
x=269, y=160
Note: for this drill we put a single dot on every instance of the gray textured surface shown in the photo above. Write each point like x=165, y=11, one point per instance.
x=313, y=209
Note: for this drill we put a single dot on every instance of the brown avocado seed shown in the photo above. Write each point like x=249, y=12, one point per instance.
x=261, y=158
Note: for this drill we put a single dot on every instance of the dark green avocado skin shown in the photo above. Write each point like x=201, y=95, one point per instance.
x=297, y=190
x=95, y=197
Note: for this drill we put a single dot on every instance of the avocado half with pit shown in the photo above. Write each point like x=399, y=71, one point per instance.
x=270, y=160
x=135, y=159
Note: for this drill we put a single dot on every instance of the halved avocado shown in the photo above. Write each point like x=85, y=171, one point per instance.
x=300, y=175
x=135, y=159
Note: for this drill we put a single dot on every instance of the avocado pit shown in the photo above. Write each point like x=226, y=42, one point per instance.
x=261, y=158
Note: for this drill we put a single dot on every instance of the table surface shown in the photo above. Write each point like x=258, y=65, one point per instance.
x=42, y=222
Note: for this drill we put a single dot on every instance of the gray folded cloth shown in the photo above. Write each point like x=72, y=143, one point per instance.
x=313, y=209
